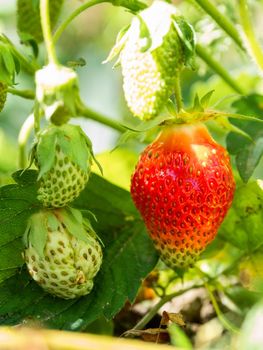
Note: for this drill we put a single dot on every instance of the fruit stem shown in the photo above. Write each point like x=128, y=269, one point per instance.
x=253, y=46
x=220, y=70
x=73, y=15
x=23, y=136
x=229, y=326
x=46, y=28
x=86, y=112
x=147, y=318
x=128, y=4
x=36, y=118
x=178, y=94
x=28, y=94
x=221, y=20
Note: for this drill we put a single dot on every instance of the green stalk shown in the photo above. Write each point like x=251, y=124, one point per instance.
x=221, y=20
x=47, y=34
x=251, y=40
x=90, y=114
x=73, y=15
x=178, y=94
x=165, y=299
x=133, y=6
x=23, y=137
x=28, y=94
x=220, y=70
x=36, y=118
x=227, y=325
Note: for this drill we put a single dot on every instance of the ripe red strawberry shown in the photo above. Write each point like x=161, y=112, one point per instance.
x=183, y=186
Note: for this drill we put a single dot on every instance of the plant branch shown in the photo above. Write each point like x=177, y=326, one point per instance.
x=23, y=137
x=216, y=67
x=147, y=318
x=46, y=28
x=73, y=15
x=28, y=94
x=221, y=20
x=228, y=325
x=254, y=48
x=90, y=114
x=131, y=5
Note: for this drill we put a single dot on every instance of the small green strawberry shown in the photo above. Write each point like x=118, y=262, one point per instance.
x=63, y=253
x=3, y=94
x=153, y=51
x=28, y=18
x=63, y=155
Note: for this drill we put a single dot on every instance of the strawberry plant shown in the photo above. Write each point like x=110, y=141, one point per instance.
x=147, y=224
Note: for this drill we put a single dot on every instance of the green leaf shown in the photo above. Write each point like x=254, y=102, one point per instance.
x=205, y=100
x=186, y=34
x=17, y=203
x=53, y=223
x=8, y=60
x=25, y=177
x=71, y=221
x=243, y=298
x=243, y=225
x=247, y=152
x=145, y=35
x=119, y=44
x=132, y=5
x=129, y=256
x=179, y=338
x=28, y=19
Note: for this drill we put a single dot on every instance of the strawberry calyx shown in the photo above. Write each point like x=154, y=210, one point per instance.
x=69, y=139
x=151, y=26
x=50, y=220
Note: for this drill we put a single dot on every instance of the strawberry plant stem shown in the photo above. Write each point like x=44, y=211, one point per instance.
x=221, y=20
x=165, y=299
x=90, y=114
x=254, y=48
x=23, y=136
x=28, y=94
x=46, y=28
x=178, y=94
x=132, y=5
x=227, y=325
x=216, y=67
x=73, y=15
x=36, y=118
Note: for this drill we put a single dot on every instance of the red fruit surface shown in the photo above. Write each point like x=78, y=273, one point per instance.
x=183, y=186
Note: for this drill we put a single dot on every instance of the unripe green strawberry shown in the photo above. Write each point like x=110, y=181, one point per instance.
x=28, y=18
x=62, y=253
x=3, y=94
x=63, y=155
x=183, y=186
x=153, y=54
